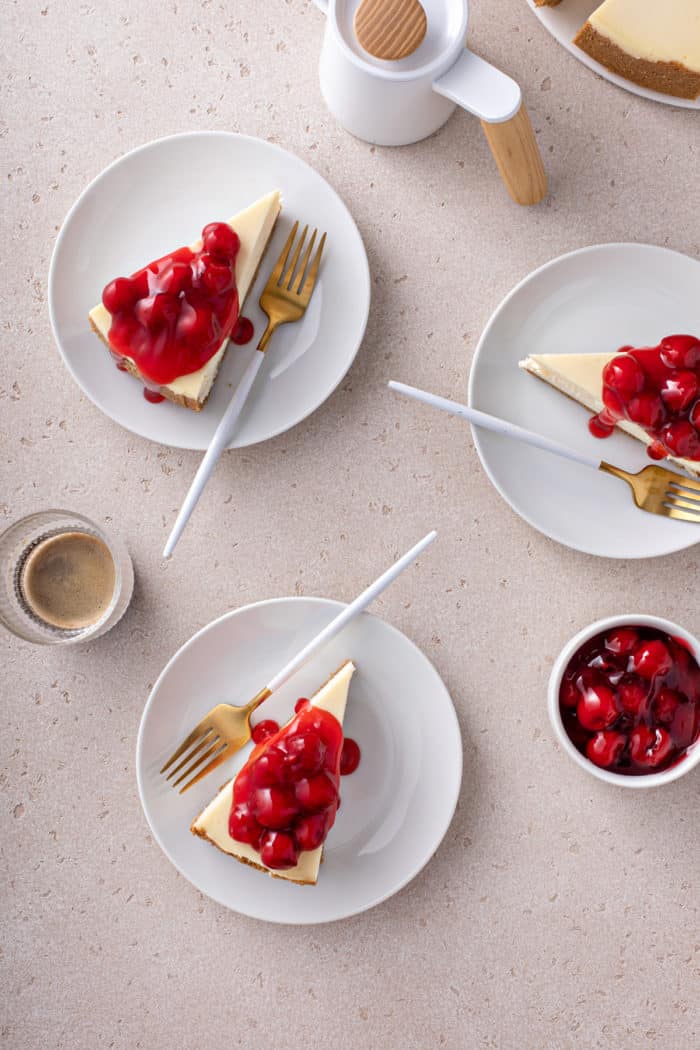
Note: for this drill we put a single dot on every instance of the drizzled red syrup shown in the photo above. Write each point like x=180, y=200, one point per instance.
x=630, y=700
x=171, y=317
x=658, y=388
x=286, y=797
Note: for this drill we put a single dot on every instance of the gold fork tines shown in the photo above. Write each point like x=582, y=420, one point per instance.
x=224, y=730
x=290, y=286
x=660, y=491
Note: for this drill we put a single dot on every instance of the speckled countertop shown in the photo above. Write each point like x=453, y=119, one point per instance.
x=558, y=913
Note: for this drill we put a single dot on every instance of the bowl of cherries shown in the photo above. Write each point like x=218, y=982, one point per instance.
x=624, y=700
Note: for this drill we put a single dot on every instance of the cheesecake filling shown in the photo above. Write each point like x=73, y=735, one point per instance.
x=666, y=31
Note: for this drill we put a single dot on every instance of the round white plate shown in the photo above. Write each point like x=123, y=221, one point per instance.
x=396, y=807
x=564, y=22
x=159, y=197
x=592, y=300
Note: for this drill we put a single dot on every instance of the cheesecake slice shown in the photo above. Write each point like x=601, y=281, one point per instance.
x=253, y=226
x=297, y=767
x=580, y=377
x=654, y=43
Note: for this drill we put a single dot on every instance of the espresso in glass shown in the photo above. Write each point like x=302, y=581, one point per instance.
x=63, y=579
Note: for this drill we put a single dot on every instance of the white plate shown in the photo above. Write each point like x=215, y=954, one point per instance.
x=564, y=22
x=159, y=197
x=396, y=807
x=592, y=300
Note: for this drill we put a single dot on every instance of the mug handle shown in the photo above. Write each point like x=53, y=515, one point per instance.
x=496, y=99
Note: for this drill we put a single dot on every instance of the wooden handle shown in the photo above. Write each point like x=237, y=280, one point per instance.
x=517, y=155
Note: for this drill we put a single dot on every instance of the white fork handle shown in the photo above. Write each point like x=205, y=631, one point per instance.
x=499, y=426
x=350, y=612
x=222, y=436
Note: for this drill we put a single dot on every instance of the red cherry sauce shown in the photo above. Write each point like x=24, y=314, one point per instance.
x=171, y=317
x=658, y=388
x=286, y=796
x=243, y=331
x=630, y=700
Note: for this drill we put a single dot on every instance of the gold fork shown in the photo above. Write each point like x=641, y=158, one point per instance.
x=289, y=288
x=225, y=729
x=285, y=298
x=655, y=489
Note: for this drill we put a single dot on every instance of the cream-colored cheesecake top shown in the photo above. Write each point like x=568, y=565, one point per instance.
x=253, y=226
x=331, y=697
x=654, y=30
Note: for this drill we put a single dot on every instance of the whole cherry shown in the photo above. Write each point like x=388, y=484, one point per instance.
x=606, y=747
x=596, y=708
x=275, y=806
x=652, y=658
x=278, y=850
x=219, y=239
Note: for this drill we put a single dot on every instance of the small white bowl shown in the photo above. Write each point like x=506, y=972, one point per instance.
x=692, y=756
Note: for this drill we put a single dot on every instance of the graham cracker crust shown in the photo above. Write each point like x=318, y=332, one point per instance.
x=670, y=78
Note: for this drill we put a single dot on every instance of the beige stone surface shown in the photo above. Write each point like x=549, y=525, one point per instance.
x=558, y=913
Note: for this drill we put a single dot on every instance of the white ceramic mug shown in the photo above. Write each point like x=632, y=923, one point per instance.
x=394, y=103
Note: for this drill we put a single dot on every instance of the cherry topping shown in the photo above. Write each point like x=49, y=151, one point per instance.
x=630, y=700
x=269, y=769
x=657, y=388
x=301, y=703
x=305, y=754
x=278, y=850
x=219, y=239
x=120, y=294
x=243, y=826
x=316, y=793
x=275, y=806
x=264, y=729
x=286, y=795
x=680, y=351
x=311, y=831
x=171, y=317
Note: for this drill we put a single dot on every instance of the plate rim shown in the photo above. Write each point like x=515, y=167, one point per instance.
x=543, y=16
x=443, y=825
x=151, y=145
x=529, y=278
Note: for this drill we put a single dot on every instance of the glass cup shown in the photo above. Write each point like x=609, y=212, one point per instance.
x=16, y=546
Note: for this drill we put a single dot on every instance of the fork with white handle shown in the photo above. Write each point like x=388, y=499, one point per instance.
x=655, y=489
x=284, y=299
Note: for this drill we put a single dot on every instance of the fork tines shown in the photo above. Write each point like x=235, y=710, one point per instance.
x=188, y=751
x=284, y=276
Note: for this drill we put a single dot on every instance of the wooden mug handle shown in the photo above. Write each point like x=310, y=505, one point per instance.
x=517, y=155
